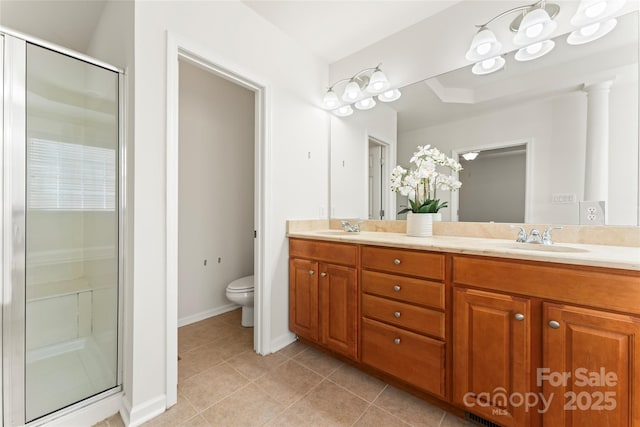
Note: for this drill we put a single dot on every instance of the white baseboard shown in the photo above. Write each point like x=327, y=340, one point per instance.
x=282, y=341
x=142, y=413
x=90, y=415
x=206, y=314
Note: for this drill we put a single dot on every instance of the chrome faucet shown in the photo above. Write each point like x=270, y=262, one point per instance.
x=522, y=234
x=355, y=228
x=534, y=236
x=546, y=236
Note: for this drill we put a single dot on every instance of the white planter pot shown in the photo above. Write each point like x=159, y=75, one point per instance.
x=420, y=225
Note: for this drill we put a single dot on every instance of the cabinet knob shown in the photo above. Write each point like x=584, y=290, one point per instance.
x=397, y=314
x=397, y=341
x=519, y=316
x=311, y=272
x=396, y=261
x=396, y=288
x=553, y=324
x=323, y=274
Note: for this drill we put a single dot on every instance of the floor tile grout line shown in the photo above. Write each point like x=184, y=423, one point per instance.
x=370, y=402
x=362, y=414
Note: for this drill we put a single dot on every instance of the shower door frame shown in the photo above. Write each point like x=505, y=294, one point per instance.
x=13, y=67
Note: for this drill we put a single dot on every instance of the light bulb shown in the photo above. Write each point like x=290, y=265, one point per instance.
x=534, y=48
x=483, y=48
x=590, y=29
x=488, y=63
x=595, y=9
x=534, y=30
x=378, y=86
x=388, y=94
x=330, y=100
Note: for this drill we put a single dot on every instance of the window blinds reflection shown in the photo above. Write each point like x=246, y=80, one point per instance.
x=70, y=177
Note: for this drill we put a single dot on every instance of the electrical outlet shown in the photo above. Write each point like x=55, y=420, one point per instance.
x=592, y=213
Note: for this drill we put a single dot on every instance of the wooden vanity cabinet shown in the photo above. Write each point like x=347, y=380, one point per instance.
x=546, y=342
x=492, y=354
x=323, y=294
x=601, y=352
x=403, y=315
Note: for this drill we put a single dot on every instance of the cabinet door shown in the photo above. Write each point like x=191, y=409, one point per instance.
x=303, y=298
x=591, y=368
x=492, y=354
x=338, y=294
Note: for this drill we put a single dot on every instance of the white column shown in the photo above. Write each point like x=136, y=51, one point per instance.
x=596, y=182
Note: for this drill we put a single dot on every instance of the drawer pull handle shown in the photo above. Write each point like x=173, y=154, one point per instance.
x=397, y=341
x=311, y=272
x=396, y=288
x=553, y=324
x=323, y=274
x=396, y=261
x=519, y=316
x=397, y=314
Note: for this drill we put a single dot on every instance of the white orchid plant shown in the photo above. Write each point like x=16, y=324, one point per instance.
x=421, y=183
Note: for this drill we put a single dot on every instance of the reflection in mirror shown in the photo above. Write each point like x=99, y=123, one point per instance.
x=574, y=107
x=493, y=186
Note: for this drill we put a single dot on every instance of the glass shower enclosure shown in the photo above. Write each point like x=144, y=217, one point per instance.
x=62, y=216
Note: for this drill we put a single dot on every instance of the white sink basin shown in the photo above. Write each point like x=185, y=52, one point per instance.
x=542, y=248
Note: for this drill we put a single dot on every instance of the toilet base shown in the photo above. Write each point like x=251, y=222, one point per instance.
x=247, y=317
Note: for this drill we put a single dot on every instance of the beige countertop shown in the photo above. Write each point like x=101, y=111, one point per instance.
x=620, y=257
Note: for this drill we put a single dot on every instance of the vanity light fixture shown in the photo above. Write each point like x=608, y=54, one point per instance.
x=360, y=92
x=471, y=155
x=534, y=26
x=594, y=19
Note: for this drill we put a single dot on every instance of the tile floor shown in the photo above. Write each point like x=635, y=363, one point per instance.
x=222, y=382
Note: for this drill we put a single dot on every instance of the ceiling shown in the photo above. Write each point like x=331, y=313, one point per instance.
x=68, y=23
x=334, y=29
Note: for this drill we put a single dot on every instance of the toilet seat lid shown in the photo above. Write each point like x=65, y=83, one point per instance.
x=242, y=284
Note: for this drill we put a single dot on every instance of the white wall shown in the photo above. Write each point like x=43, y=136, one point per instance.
x=216, y=192
x=558, y=150
x=297, y=180
x=349, y=158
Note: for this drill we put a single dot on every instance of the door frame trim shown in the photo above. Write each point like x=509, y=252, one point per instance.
x=182, y=48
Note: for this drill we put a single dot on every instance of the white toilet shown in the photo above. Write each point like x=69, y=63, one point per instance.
x=240, y=291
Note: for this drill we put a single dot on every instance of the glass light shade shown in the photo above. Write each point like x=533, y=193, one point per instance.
x=330, y=100
x=590, y=11
x=389, y=95
x=536, y=25
x=352, y=92
x=488, y=66
x=484, y=45
x=365, y=104
x=535, y=50
x=591, y=32
x=343, y=111
x=471, y=155
x=378, y=82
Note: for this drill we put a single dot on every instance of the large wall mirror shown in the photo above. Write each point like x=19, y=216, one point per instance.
x=528, y=122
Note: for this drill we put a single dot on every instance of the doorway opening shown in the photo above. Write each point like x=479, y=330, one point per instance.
x=377, y=179
x=182, y=51
x=495, y=184
x=215, y=194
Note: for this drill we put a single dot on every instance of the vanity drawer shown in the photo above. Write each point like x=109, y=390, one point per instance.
x=408, y=316
x=414, y=263
x=415, y=359
x=337, y=253
x=416, y=291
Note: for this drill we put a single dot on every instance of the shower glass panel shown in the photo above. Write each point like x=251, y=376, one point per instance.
x=71, y=325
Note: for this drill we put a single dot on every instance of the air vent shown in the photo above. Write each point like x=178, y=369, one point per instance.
x=479, y=420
